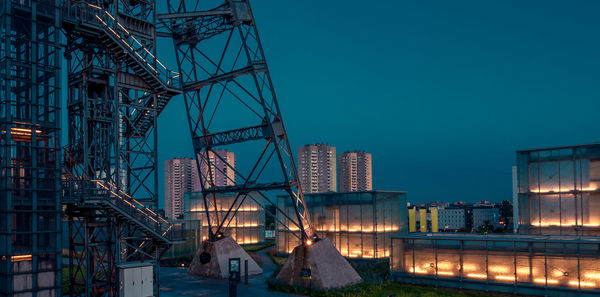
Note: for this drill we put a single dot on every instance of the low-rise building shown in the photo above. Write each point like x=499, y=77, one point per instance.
x=247, y=226
x=451, y=219
x=359, y=224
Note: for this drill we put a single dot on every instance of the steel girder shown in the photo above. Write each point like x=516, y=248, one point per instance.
x=117, y=88
x=230, y=100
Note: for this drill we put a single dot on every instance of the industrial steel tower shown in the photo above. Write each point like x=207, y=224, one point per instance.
x=230, y=99
x=116, y=89
x=30, y=104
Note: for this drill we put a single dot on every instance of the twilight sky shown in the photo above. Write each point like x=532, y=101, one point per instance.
x=442, y=93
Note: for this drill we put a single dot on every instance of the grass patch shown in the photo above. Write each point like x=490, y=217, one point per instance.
x=257, y=247
x=376, y=282
x=380, y=290
x=278, y=260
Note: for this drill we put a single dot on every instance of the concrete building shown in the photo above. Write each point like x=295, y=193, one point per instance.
x=451, y=219
x=317, y=168
x=359, y=224
x=222, y=168
x=355, y=171
x=559, y=190
x=181, y=176
x=482, y=215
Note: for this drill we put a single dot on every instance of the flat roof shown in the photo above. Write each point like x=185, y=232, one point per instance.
x=500, y=237
x=559, y=147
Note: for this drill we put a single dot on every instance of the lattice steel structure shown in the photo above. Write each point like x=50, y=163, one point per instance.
x=230, y=99
x=30, y=60
x=116, y=89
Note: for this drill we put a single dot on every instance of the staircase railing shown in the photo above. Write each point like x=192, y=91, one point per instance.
x=96, y=16
x=105, y=192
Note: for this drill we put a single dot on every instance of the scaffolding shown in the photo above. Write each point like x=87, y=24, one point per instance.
x=30, y=93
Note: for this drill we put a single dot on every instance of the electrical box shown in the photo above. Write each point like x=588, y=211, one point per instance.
x=136, y=279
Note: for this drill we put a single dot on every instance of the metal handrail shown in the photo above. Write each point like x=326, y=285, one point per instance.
x=97, y=16
x=97, y=190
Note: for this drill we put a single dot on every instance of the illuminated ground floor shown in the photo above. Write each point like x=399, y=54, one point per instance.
x=520, y=264
x=359, y=224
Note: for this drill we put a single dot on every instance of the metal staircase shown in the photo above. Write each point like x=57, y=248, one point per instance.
x=98, y=24
x=100, y=194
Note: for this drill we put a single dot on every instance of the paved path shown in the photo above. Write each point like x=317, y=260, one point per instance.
x=177, y=282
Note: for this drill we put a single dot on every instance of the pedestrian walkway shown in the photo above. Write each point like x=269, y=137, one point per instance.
x=177, y=282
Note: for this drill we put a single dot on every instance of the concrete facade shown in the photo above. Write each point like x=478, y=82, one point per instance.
x=317, y=168
x=355, y=171
x=450, y=219
x=222, y=168
x=181, y=176
x=481, y=215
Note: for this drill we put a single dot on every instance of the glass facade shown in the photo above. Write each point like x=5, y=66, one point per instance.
x=522, y=264
x=247, y=226
x=558, y=190
x=359, y=224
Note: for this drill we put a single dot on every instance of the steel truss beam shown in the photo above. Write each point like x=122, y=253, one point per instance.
x=214, y=81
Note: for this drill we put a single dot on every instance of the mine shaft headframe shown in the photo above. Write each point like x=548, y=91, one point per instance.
x=206, y=72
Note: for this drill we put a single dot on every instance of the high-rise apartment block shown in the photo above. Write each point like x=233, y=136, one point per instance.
x=317, y=168
x=222, y=168
x=181, y=176
x=355, y=172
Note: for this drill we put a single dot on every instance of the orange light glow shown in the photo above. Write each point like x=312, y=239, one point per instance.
x=477, y=275
x=444, y=265
x=505, y=277
x=499, y=269
x=592, y=275
x=562, y=190
x=541, y=280
x=419, y=270
x=445, y=273
x=248, y=242
x=583, y=284
x=309, y=242
x=469, y=267
x=552, y=223
x=20, y=258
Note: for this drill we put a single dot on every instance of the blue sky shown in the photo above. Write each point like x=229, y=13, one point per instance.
x=442, y=93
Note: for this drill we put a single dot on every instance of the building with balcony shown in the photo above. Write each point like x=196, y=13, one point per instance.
x=355, y=171
x=317, y=168
x=221, y=165
x=181, y=176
